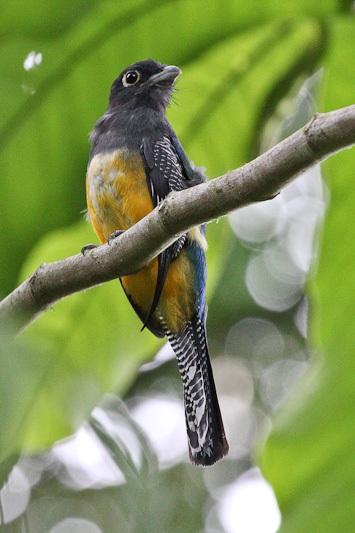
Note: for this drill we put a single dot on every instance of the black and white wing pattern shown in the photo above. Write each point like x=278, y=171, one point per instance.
x=165, y=172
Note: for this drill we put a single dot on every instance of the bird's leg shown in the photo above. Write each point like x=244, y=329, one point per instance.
x=115, y=234
x=88, y=247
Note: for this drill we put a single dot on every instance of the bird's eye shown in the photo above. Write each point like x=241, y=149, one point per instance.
x=130, y=78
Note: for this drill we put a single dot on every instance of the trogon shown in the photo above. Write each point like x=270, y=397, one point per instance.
x=136, y=160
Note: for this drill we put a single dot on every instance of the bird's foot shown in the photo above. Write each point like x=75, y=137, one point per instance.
x=88, y=247
x=113, y=235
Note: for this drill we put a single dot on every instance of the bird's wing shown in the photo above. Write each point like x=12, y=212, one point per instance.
x=194, y=176
x=165, y=172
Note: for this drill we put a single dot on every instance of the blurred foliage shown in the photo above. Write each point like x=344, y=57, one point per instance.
x=313, y=441
x=240, y=61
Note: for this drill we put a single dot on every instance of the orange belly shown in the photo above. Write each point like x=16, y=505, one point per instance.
x=117, y=198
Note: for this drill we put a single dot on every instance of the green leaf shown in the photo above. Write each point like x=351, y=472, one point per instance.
x=225, y=90
x=309, y=457
x=22, y=369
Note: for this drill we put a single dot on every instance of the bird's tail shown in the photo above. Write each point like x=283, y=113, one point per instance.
x=207, y=441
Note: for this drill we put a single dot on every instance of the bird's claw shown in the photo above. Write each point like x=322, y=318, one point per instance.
x=88, y=247
x=113, y=235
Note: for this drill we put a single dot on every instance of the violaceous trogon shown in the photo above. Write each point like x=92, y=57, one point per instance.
x=136, y=160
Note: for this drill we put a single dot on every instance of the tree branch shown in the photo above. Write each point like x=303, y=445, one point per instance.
x=258, y=180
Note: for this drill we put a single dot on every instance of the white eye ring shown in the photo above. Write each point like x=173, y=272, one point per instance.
x=125, y=79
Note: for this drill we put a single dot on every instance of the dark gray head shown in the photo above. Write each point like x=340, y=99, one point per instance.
x=145, y=84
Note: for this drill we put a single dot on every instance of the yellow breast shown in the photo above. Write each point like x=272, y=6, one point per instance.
x=117, y=192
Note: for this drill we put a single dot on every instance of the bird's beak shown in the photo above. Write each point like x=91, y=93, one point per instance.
x=169, y=73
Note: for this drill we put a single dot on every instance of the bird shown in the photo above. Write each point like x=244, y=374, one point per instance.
x=135, y=161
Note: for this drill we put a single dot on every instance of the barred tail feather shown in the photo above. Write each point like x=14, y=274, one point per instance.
x=207, y=441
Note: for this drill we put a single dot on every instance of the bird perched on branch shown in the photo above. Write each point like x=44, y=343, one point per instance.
x=136, y=160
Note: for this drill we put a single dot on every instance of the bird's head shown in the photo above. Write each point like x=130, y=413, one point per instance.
x=144, y=84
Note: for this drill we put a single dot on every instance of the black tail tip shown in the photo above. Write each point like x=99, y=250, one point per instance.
x=210, y=456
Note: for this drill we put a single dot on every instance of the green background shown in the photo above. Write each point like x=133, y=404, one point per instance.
x=243, y=63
